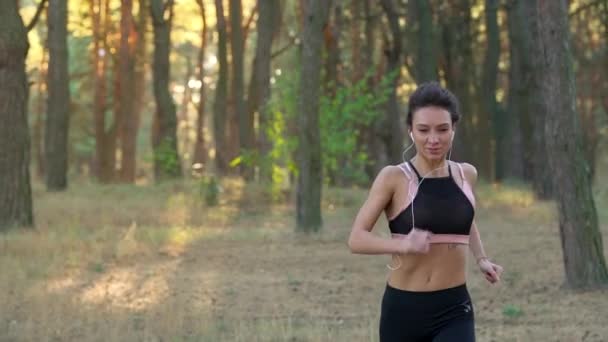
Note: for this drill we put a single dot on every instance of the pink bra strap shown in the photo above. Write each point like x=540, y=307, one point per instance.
x=461, y=173
x=402, y=168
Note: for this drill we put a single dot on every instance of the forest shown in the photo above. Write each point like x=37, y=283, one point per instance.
x=189, y=170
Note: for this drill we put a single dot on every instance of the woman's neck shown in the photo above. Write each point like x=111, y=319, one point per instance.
x=434, y=168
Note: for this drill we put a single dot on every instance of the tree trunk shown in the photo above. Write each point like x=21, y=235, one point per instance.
x=38, y=124
x=259, y=89
x=238, y=85
x=140, y=75
x=15, y=187
x=370, y=136
x=536, y=109
x=129, y=119
x=582, y=246
x=220, y=106
x=308, y=197
x=513, y=144
x=458, y=65
x=332, y=33
x=105, y=138
x=166, y=158
x=491, y=113
x=200, y=150
x=57, y=120
x=392, y=123
x=426, y=61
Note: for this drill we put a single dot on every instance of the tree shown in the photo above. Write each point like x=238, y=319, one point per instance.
x=237, y=84
x=459, y=69
x=308, y=159
x=105, y=127
x=535, y=112
x=15, y=187
x=166, y=157
x=221, y=90
x=200, y=150
x=491, y=111
x=426, y=62
x=582, y=246
x=129, y=118
x=58, y=107
x=259, y=86
x=393, y=137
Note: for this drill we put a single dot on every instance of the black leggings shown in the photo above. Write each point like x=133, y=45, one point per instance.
x=436, y=316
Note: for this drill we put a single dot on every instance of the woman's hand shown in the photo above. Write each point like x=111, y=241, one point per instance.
x=490, y=270
x=417, y=241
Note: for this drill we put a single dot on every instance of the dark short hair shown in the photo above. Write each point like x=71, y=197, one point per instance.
x=433, y=94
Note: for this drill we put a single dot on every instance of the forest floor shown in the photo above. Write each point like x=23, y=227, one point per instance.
x=152, y=263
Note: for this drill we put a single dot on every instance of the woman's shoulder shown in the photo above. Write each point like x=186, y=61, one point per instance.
x=470, y=172
x=392, y=175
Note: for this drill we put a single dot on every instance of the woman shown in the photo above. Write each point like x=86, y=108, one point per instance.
x=430, y=207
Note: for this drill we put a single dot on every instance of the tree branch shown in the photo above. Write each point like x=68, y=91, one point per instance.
x=283, y=49
x=32, y=23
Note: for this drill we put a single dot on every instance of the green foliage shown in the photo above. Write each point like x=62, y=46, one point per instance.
x=209, y=190
x=166, y=157
x=342, y=119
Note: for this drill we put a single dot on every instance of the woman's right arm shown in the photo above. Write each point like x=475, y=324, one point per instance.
x=362, y=240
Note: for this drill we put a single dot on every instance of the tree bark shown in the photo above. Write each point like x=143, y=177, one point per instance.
x=15, y=187
x=393, y=139
x=536, y=109
x=105, y=138
x=238, y=85
x=166, y=158
x=426, y=60
x=308, y=196
x=200, y=150
x=220, y=106
x=129, y=118
x=582, y=246
x=57, y=121
x=332, y=34
x=491, y=153
x=259, y=89
x=38, y=124
x=513, y=144
x=458, y=66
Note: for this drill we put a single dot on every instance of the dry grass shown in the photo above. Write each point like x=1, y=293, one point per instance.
x=133, y=263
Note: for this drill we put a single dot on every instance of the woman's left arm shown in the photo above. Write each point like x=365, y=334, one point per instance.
x=490, y=270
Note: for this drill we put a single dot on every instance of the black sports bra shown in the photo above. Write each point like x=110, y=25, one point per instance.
x=439, y=205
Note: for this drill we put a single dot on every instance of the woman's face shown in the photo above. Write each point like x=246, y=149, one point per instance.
x=432, y=132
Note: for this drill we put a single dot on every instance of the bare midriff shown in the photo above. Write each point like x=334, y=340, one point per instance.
x=442, y=267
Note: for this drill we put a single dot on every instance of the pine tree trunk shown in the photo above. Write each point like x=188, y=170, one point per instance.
x=392, y=122
x=220, y=110
x=582, y=245
x=458, y=66
x=238, y=83
x=491, y=113
x=38, y=124
x=15, y=187
x=57, y=120
x=332, y=34
x=126, y=93
x=426, y=61
x=200, y=150
x=105, y=138
x=308, y=196
x=166, y=158
x=259, y=89
x=536, y=109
